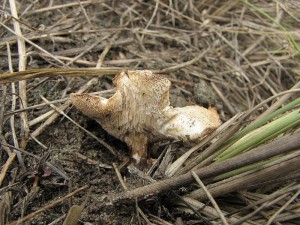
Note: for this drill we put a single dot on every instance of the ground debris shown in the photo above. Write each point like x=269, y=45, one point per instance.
x=229, y=54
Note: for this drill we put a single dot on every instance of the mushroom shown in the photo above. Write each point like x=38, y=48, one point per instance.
x=140, y=112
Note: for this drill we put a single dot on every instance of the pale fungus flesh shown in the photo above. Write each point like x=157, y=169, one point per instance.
x=140, y=112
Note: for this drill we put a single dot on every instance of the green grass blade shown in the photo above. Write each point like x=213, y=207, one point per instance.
x=258, y=124
x=262, y=134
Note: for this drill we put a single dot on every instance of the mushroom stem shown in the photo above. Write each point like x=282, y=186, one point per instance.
x=138, y=144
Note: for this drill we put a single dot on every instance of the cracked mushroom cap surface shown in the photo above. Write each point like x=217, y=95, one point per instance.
x=140, y=111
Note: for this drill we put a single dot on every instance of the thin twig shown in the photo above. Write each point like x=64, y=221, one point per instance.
x=84, y=12
x=126, y=188
x=152, y=17
x=91, y=161
x=38, y=158
x=2, y=107
x=120, y=177
x=206, y=210
x=278, y=103
x=260, y=208
x=210, y=197
x=13, y=107
x=41, y=118
x=64, y=5
x=49, y=206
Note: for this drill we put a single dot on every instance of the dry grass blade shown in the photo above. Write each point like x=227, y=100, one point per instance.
x=4, y=94
x=13, y=106
x=6, y=166
x=270, y=201
x=22, y=67
x=54, y=72
x=206, y=210
x=55, y=7
x=75, y=211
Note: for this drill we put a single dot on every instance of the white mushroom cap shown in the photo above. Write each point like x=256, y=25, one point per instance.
x=190, y=123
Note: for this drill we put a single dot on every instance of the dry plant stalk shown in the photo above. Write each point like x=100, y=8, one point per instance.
x=22, y=67
x=140, y=112
x=282, y=145
x=54, y=72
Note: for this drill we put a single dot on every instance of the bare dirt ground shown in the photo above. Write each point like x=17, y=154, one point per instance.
x=220, y=53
